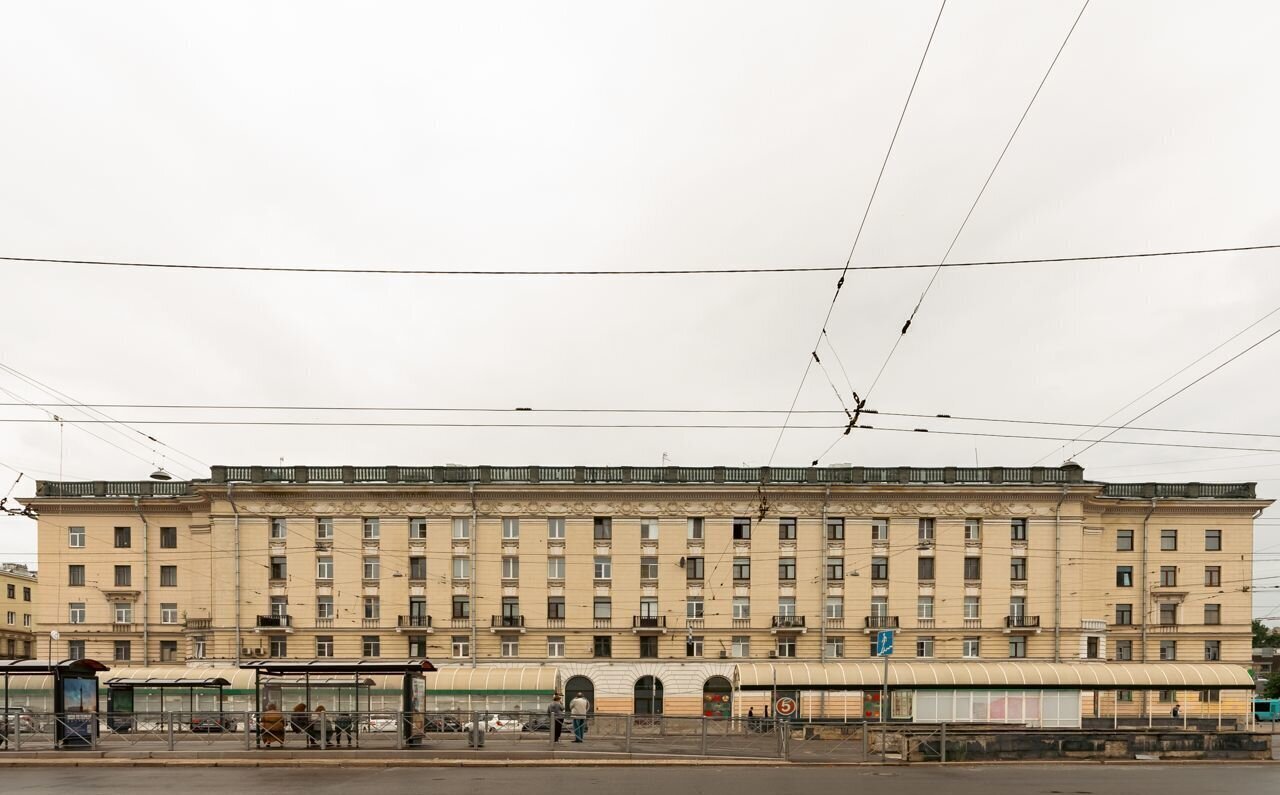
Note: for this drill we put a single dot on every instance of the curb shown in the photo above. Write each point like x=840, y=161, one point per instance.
x=574, y=763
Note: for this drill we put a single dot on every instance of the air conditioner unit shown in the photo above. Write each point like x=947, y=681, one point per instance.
x=724, y=655
x=246, y=652
x=773, y=654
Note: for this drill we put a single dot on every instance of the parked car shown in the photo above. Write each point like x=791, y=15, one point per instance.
x=441, y=723
x=537, y=723
x=496, y=723
x=213, y=723
x=18, y=719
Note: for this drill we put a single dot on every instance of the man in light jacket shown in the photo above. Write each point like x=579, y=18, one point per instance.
x=578, y=709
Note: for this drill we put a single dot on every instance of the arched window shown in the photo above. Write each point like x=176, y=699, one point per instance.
x=648, y=696
x=717, y=698
x=583, y=685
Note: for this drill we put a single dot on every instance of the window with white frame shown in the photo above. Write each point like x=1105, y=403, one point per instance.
x=510, y=528
x=461, y=646
x=924, y=607
x=835, y=647
x=555, y=528
x=972, y=608
x=168, y=613
x=555, y=645
x=693, y=646
x=924, y=646
x=1018, y=646
x=787, y=606
x=324, y=528
x=324, y=568
x=75, y=613
x=417, y=528
x=971, y=648
x=786, y=645
x=693, y=607
x=835, y=607
x=371, y=646
x=648, y=568
x=510, y=567
x=123, y=613
x=461, y=567
x=603, y=568
x=741, y=646
x=695, y=524
x=648, y=529
x=461, y=528
x=972, y=529
x=925, y=530
x=372, y=608
x=279, y=529
x=75, y=537
x=555, y=568
x=324, y=607
x=741, y=607
x=371, y=528
x=372, y=568
x=879, y=529
x=510, y=645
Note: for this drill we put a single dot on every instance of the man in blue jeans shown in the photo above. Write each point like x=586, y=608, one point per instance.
x=578, y=709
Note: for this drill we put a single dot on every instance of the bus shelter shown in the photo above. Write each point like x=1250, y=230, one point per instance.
x=75, y=695
x=185, y=692
x=341, y=682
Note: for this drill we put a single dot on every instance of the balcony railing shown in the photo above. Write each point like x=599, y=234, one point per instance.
x=324, y=623
x=880, y=622
x=648, y=622
x=1022, y=622
x=413, y=621
x=371, y=623
x=507, y=621
x=198, y=623
x=788, y=622
x=275, y=621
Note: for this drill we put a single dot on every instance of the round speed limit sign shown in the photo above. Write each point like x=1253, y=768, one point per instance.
x=785, y=707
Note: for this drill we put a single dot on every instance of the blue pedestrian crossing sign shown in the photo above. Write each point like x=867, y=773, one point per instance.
x=884, y=643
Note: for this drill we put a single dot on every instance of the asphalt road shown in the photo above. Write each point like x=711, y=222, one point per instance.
x=1200, y=779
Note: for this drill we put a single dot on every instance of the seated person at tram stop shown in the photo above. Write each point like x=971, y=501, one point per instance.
x=271, y=727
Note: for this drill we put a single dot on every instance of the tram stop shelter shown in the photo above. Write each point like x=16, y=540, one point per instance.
x=120, y=700
x=75, y=693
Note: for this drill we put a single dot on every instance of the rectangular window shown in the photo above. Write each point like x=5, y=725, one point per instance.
x=1167, y=696
x=168, y=613
x=648, y=646
x=555, y=528
x=971, y=648
x=742, y=568
x=1212, y=650
x=601, y=646
x=1124, y=695
x=372, y=608
x=648, y=529
x=371, y=529
x=75, y=649
x=370, y=646
x=1124, y=650
x=26, y=594
x=924, y=568
x=693, y=607
x=1212, y=540
x=1124, y=576
x=1168, y=650
x=124, y=576
x=75, y=537
x=973, y=530
x=12, y=617
x=417, y=646
x=1017, y=529
x=924, y=647
x=1018, y=646
x=324, y=529
x=741, y=529
x=460, y=528
x=741, y=607
x=786, y=646
x=461, y=646
x=835, y=528
x=279, y=568
x=786, y=529
x=510, y=528
x=324, y=645
x=123, y=612
x=1091, y=648
x=693, y=568
x=602, y=608
x=649, y=568
x=1168, y=540
x=924, y=531
x=787, y=606
x=835, y=607
x=879, y=530
x=278, y=646
x=11, y=591
x=418, y=567
x=123, y=537
x=461, y=606
x=879, y=568
x=555, y=568
x=555, y=645
x=1213, y=614
x=417, y=530
x=1017, y=568
x=510, y=645
x=1124, y=541
x=461, y=568
x=879, y=609
x=168, y=538
x=1168, y=613
x=279, y=529
x=1124, y=614
x=1168, y=576
x=924, y=607
x=324, y=607
x=693, y=646
x=75, y=613
x=835, y=647
x=602, y=528
x=279, y=606
x=168, y=576
x=121, y=650
x=972, y=608
x=1209, y=696
x=786, y=568
x=695, y=528
x=555, y=607
x=835, y=569
x=741, y=646
x=603, y=568
x=324, y=568
x=973, y=568
x=1213, y=576
x=510, y=567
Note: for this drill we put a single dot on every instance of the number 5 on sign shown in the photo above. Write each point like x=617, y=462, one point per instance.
x=884, y=643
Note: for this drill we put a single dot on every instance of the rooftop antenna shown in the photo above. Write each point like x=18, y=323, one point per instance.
x=666, y=459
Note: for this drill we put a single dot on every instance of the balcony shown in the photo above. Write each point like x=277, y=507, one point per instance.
x=787, y=624
x=602, y=623
x=460, y=622
x=324, y=623
x=413, y=622
x=649, y=625
x=123, y=627
x=198, y=623
x=872, y=623
x=1163, y=629
x=504, y=623
x=1093, y=624
x=371, y=623
x=274, y=622
x=555, y=623
x=1021, y=623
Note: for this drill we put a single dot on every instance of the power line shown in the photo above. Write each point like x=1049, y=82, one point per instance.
x=978, y=434
x=835, y=296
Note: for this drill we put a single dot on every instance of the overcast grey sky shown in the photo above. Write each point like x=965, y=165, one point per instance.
x=628, y=136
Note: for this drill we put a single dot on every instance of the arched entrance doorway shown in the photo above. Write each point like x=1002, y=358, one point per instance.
x=648, y=696
x=717, y=698
x=583, y=685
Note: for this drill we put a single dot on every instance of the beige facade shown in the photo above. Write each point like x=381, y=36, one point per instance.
x=18, y=602
x=617, y=573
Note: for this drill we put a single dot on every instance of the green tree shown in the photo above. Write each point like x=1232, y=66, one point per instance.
x=1264, y=636
x=1272, y=688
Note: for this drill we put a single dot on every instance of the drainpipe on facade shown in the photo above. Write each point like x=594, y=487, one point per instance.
x=236, y=543
x=1057, y=577
x=822, y=574
x=146, y=587
x=475, y=572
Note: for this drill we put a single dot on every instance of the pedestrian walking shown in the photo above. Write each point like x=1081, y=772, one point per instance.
x=578, y=708
x=1177, y=710
x=556, y=711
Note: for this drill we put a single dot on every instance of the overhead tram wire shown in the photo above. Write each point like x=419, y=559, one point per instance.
x=1182, y=370
x=875, y=188
x=981, y=192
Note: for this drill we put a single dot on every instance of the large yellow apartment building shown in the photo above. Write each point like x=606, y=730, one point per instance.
x=17, y=612
x=621, y=577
